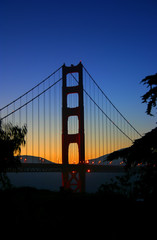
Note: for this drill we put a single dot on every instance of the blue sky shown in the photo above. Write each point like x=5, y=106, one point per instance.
x=115, y=39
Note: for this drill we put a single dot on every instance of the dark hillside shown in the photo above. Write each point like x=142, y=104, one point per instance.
x=61, y=211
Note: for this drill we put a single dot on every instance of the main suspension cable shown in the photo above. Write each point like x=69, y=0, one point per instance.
x=30, y=89
x=31, y=99
x=111, y=102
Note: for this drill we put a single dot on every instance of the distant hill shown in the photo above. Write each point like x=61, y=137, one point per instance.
x=102, y=160
x=33, y=159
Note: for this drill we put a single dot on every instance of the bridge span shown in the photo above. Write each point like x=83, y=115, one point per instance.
x=48, y=167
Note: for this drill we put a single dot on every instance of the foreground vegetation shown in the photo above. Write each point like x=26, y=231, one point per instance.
x=46, y=208
x=111, y=216
x=123, y=209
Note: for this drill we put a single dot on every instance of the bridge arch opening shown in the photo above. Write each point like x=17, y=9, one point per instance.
x=72, y=79
x=73, y=125
x=73, y=100
x=73, y=153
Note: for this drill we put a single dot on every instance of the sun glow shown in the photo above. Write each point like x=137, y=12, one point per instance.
x=53, y=152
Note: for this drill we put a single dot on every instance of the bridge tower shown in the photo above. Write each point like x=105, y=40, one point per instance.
x=78, y=111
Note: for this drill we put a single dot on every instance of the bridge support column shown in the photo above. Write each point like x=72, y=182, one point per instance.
x=73, y=181
x=77, y=111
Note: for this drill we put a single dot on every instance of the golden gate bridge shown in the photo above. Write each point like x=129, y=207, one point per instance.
x=70, y=121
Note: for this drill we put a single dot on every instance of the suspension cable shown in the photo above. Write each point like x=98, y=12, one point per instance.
x=111, y=102
x=30, y=89
x=109, y=118
x=31, y=99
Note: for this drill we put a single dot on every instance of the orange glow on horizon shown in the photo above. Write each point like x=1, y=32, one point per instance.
x=49, y=145
x=55, y=154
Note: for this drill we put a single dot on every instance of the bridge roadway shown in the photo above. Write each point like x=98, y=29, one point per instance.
x=46, y=167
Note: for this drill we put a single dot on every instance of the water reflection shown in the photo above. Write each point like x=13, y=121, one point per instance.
x=73, y=180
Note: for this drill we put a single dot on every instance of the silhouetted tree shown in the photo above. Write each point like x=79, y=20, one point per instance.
x=151, y=96
x=143, y=179
x=11, y=139
x=143, y=151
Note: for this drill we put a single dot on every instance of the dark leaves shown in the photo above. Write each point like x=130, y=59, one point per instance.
x=143, y=150
x=151, y=96
x=11, y=139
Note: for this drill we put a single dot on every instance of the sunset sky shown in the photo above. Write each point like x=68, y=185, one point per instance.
x=116, y=40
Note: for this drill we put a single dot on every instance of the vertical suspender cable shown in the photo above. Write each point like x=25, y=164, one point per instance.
x=27, y=128
x=50, y=140
x=20, y=113
x=44, y=118
x=38, y=125
x=54, y=109
x=32, y=125
x=106, y=129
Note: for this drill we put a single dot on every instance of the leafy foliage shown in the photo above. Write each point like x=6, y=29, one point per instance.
x=143, y=151
x=151, y=96
x=11, y=139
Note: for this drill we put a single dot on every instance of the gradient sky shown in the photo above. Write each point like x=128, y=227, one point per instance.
x=115, y=39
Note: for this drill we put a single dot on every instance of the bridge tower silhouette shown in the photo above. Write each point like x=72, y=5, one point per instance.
x=78, y=111
x=73, y=179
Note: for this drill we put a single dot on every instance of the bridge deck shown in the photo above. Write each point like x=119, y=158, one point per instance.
x=41, y=167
